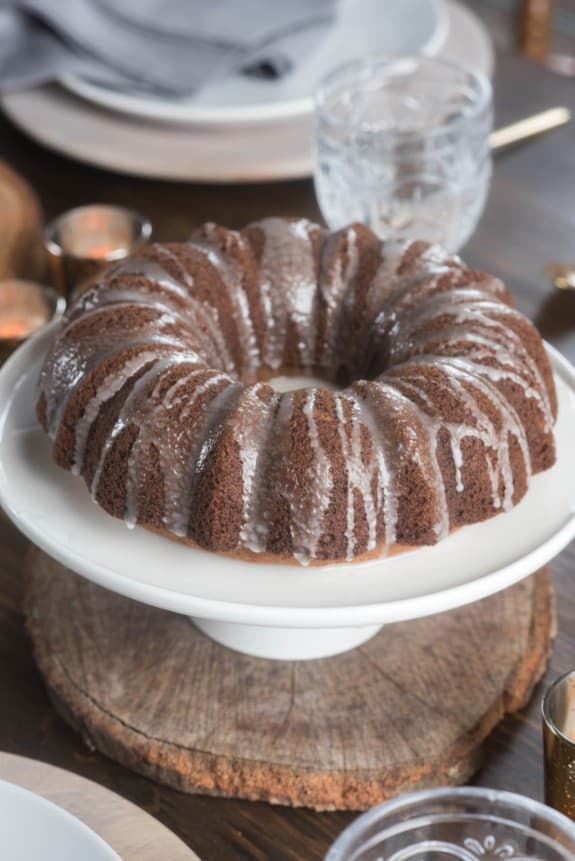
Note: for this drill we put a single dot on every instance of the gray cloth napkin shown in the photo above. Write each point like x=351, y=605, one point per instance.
x=169, y=46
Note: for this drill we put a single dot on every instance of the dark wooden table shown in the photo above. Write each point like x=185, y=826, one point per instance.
x=529, y=222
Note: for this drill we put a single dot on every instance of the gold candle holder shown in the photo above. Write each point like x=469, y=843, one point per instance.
x=24, y=307
x=83, y=242
x=559, y=744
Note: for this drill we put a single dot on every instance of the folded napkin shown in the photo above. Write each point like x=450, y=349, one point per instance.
x=169, y=46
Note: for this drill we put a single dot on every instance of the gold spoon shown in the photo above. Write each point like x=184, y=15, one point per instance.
x=562, y=275
x=529, y=127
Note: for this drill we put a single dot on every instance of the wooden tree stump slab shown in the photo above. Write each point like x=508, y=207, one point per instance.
x=21, y=249
x=406, y=710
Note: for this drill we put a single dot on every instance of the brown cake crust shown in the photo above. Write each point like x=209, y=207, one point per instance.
x=155, y=392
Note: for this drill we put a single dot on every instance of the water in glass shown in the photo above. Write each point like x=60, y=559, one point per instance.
x=403, y=146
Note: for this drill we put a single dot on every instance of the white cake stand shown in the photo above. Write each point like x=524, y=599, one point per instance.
x=274, y=611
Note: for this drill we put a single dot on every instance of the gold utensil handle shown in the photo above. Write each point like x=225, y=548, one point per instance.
x=535, y=125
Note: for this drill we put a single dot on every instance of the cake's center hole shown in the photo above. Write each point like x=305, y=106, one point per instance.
x=291, y=383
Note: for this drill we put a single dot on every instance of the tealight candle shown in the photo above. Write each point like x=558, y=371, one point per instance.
x=559, y=744
x=84, y=241
x=24, y=307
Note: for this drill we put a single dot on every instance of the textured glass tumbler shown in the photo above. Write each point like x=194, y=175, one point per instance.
x=559, y=744
x=403, y=145
x=469, y=824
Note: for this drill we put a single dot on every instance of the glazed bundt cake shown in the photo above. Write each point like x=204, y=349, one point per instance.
x=438, y=401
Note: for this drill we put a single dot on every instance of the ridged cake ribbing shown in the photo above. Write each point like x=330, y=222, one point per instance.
x=154, y=391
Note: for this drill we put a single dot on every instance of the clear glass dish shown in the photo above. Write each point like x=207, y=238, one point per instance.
x=470, y=824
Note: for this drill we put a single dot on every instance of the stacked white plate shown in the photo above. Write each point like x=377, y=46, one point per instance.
x=241, y=129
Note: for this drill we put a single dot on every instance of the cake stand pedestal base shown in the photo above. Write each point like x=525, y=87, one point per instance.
x=407, y=709
x=286, y=644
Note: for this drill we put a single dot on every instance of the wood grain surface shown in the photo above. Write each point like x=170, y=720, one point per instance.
x=133, y=834
x=406, y=710
x=528, y=223
x=21, y=252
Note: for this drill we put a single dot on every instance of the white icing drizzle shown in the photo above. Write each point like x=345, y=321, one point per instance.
x=231, y=278
x=182, y=458
x=308, y=509
x=429, y=466
x=152, y=271
x=495, y=441
x=395, y=290
x=125, y=416
x=334, y=285
x=462, y=305
x=511, y=425
x=61, y=374
x=348, y=454
x=423, y=273
x=252, y=423
x=359, y=476
x=288, y=282
x=186, y=278
x=150, y=426
x=386, y=491
x=493, y=341
x=71, y=359
x=109, y=387
x=380, y=288
x=194, y=310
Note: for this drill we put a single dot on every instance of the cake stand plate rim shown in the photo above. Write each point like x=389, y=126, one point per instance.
x=17, y=372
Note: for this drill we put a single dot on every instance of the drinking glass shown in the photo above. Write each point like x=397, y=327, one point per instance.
x=403, y=145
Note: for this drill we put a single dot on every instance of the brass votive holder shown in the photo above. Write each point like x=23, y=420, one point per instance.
x=562, y=275
x=83, y=242
x=559, y=744
x=24, y=307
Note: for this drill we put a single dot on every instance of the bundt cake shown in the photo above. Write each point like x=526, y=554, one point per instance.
x=438, y=402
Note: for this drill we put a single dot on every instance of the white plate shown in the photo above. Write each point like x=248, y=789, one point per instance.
x=118, y=142
x=362, y=27
x=55, y=510
x=33, y=829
